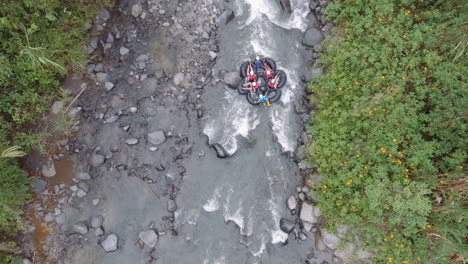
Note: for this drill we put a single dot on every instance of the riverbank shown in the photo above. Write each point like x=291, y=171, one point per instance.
x=389, y=130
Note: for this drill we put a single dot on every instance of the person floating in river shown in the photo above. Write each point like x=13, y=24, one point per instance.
x=258, y=63
x=263, y=99
x=251, y=86
x=268, y=70
x=251, y=76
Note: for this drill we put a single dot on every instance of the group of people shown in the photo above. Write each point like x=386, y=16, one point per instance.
x=253, y=85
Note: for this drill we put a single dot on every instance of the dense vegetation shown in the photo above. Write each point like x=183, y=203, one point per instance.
x=40, y=42
x=390, y=127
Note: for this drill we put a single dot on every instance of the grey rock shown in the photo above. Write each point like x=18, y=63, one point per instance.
x=60, y=219
x=142, y=57
x=74, y=113
x=159, y=74
x=312, y=37
x=286, y=225
x=171, y=205
x=97, y=160
x=49, y=217
x=232, y=79
x=111, y=119
x=73, y=188
x=224, y=18
x=131, y=141
x=57, y=107
x=302, y=236
x=101, y=77
x=307, y=213
x=330, y=240
x=107, y=46
x=363, y=254
x=104, y=15
x=27, y=261
x=220, y=151
x=213, y=55
x=205, y=36
x=80, y=228
x=48, y=169
x=83, y=186
x=99, y=232
x=301, y=196
x=156, y=137
x=166, y=24
x=346, y=252
x=124, y=51
x=181, y=97
x=291, y=202
x=319, y=242
x=312, y=6
x=96, y=221
x=81, y=193
x=137, y=9
x=318, y=48
x=99, y=67
x=109, y=86
x=149, y=237
x=82, y=176
x=110, y=38
x=299, y=153
x=323, y=3
x=93, y=42
x=110, y=244
x=342, y=229
x=141, y=65
x=317, y=212
x=38, y=185
x=178, y=79
x=95, y=202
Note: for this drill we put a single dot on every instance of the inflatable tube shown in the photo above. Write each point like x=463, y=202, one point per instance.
x=275, y=95
x=271, y=63
x=240, y=90
x=283, y=78
x=243, y=69
x=251, y=100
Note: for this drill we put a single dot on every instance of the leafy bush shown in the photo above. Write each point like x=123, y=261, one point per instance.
x=390, y=125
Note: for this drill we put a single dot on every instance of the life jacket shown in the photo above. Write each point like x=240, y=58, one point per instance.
x=255, y=87
x=268, y=76
x=252, y=77
x=271, y=85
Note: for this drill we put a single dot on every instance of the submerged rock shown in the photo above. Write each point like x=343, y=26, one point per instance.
x=286, y=225
x=220, y=151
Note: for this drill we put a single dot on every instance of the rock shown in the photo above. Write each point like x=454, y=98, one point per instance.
x=301, y=196
x=110, y=244
x=101, y=77
x=317, y=212
x=346, y=252
x=74, y=113
x=171, y=205
x=48, y=169
x=205, y=35
x=330, y=240
x=319, y=242
x=81, y=193
x=49, y=217
x=318, y=48
x=38, y=185
x=133, y=109
x=291, y=202
x=99, y=67
x=323, y=3
x=136, y=10
x=166, y=24
x=232, y=79
x=142, y=57
x=57, y=107
x=312, y=37
x=131, y=141
x=104, y=14
x=60, y=219
x=181, y=97
x=312, y=6
x=124, y=51
x=307, y=213
x=213, y=55
x=342, y=229
x=310, y=255
x=307, y=226
x=96, y=221
x=159, y=74
x=302, y=236
x=286, y=225
x=111, y=119
x=224, y=18
x=220, y=151
x=363, y=254
x=110, y=38
x=95, y=202
x=99, y=231
x=73, y=188
x=109, y=86
x=149, y=237
x=26, y=261
x=80, y=228
x=178, y=79
x=97, y=160
x=156, y=137
x=299, y=152
x=82, y=176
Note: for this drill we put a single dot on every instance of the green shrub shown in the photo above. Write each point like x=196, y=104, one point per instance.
x=390, y=125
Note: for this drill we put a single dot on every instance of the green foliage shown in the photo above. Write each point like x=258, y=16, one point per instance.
x=390, y=125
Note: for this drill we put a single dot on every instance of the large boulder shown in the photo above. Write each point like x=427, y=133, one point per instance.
x=291, y=202
x=149, y=237
x=307, y=213
x=330, y=240
x=312, y=37
x=346, y=252
x=286, y=225
x=232, y=79
x=110, y=244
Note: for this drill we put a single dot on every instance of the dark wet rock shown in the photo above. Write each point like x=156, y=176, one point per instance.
x=312, y=37
x=38, y=185
x=345, y=252
x=104, y=14
x=101, y=77
x=82, y=176
x=224, y=18
x=286, y=225
x=232, y=79
x=319, y=242
x=299, y=153
x=159, y=167
x=156, y=137
x=312, y=6
x=110, y=244
x=131, y=141
x=149, y=237
x=48, y=169
x=291, y=202
x=329, y=239
x=220, y=151
x=97, y=160
x=96, y=221
x=171, y=205
x=80, y=228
